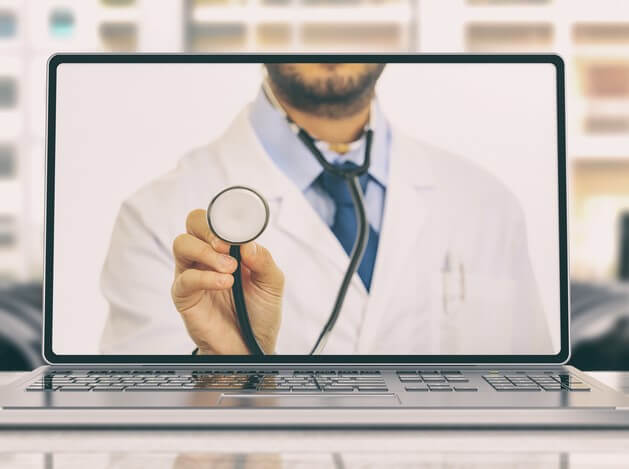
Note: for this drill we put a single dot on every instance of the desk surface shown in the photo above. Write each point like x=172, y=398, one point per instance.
x=318, y=449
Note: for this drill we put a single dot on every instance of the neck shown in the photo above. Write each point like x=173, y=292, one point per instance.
x=329, y=129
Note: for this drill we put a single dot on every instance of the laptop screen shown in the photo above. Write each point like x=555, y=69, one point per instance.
x=448, y=169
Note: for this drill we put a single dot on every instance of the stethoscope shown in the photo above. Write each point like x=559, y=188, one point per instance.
x=239, y=215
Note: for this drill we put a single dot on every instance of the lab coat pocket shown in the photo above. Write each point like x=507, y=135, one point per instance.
x=476, y=313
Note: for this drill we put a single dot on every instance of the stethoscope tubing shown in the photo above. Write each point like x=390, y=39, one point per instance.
x=358, y=250
x=241, y=308
x=352, y=180
x=331, y=168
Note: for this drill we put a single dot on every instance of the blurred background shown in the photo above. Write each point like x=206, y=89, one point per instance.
x=591, y=36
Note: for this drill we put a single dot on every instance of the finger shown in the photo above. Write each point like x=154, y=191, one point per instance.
x=196, y=225
x=192, y=281
x=261, y=264
x=190, y=251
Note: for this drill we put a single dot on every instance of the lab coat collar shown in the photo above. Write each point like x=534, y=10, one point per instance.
x=246, y=162
x=281, y=143
x=295, y=159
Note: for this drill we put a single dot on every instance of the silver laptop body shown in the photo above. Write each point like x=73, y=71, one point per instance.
x=190, y=390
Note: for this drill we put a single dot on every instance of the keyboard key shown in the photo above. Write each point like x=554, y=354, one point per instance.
x=415, y=388
x=578, y=387
x=457, y=379
x=518, y=389
x=431, y=379
x=439, y=387
x=413, y=378
x=339, y=385
x=143, y=388
x=465, y=389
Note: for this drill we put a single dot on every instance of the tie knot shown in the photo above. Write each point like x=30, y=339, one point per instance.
x=336, y=186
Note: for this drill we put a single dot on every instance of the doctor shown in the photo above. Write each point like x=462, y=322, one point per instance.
x=446, y=270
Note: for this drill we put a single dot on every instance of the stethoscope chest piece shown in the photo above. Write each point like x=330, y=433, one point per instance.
x=238, y=214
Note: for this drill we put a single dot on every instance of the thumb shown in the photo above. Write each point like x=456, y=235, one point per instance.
x=259, y=261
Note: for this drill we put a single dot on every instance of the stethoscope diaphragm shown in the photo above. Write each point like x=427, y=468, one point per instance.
x=238, y=214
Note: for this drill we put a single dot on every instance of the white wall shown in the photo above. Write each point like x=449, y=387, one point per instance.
x=502, y=116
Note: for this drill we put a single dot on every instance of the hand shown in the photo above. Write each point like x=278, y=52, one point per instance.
x=202, y=294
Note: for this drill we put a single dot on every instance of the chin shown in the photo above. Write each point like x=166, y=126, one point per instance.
x=328, y=70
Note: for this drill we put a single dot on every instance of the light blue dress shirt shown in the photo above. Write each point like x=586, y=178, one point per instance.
x=296, y=161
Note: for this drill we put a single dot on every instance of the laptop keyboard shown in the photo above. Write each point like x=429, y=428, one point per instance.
x=452, y=380
x=435, y=381
x=535, y=382
x=298, y=381
x=267, y=381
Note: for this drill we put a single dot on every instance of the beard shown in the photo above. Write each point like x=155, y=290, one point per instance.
x=335, y=96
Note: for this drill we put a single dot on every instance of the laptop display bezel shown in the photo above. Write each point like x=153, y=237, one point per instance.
x=275, y=360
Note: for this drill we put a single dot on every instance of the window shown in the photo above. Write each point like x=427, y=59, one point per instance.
x=8, y=24
x=7, y=161
x=61, y=23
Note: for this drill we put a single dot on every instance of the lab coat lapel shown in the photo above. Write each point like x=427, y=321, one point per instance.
x=409, y=199
x=299, y=219
x=247, y=163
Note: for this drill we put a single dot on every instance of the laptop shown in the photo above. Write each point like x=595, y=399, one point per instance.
x=456, y=311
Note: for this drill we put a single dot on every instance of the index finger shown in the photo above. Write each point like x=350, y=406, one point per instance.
x=197, y=226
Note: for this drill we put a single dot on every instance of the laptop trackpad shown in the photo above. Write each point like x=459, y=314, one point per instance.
x=306, y=400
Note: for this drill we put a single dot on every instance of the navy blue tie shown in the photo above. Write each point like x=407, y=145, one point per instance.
x=345, y=225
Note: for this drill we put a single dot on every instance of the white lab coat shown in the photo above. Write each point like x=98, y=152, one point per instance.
x=440, y=210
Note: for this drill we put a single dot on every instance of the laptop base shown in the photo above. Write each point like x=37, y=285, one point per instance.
x=402, y=405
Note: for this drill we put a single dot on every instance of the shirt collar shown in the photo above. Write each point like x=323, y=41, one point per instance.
x=296, y=161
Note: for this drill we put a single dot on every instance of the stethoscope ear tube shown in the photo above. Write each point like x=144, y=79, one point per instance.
x=358, y=250
x=327, y=166
x=352, y=180
x=241, y=308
